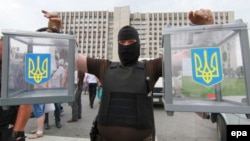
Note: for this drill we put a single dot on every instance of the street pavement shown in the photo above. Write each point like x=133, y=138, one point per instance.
x=77, y=131
x=183, y=126
x=56, y=138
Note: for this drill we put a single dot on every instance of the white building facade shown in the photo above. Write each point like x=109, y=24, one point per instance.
x=96, y=31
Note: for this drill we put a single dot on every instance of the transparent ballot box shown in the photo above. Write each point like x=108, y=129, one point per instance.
x=37, y=67
x=208, y=68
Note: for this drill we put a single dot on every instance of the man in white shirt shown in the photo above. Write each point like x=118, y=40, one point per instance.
x=92, y=81
x=58, y=80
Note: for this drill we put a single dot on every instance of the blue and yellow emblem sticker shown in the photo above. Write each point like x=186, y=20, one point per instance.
x=206, y=65
x=37, y=68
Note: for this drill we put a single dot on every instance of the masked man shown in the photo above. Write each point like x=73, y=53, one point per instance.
x=126, y=110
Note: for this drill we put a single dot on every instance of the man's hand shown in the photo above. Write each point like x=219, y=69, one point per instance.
x=54, y=19
x=201, y=17
x=51, y=15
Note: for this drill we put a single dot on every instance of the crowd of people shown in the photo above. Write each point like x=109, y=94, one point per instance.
x=125, y=90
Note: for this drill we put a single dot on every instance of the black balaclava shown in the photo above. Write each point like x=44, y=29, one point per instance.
x=128, y=54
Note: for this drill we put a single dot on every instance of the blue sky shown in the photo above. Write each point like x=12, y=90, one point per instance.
x=26, y=14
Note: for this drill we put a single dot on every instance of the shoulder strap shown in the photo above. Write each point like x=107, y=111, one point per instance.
x=114, y=65
x=140, y=65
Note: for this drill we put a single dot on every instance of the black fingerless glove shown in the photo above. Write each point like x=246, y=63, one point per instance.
x=18, y=136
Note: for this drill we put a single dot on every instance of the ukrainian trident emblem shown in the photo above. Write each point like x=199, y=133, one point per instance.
x=206, y=65
x=37, y=68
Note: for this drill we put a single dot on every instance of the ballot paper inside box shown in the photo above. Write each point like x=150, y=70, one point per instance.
x=37, y=67
x=209, y=65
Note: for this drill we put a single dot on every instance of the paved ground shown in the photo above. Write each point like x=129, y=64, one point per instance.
x=183, y=126
x=56, y=138
x=78, y=131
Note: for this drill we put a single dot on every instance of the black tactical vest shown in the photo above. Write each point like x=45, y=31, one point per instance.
x=124, y=100
x=8, y=116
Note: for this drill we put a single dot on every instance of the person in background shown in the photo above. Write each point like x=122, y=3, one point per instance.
x=77, y=104
x=99, y=91
x=66, y=69
x=85, y=87
x=126, y=87
x=38, y=111
x=58, y=77
x=92, y=83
